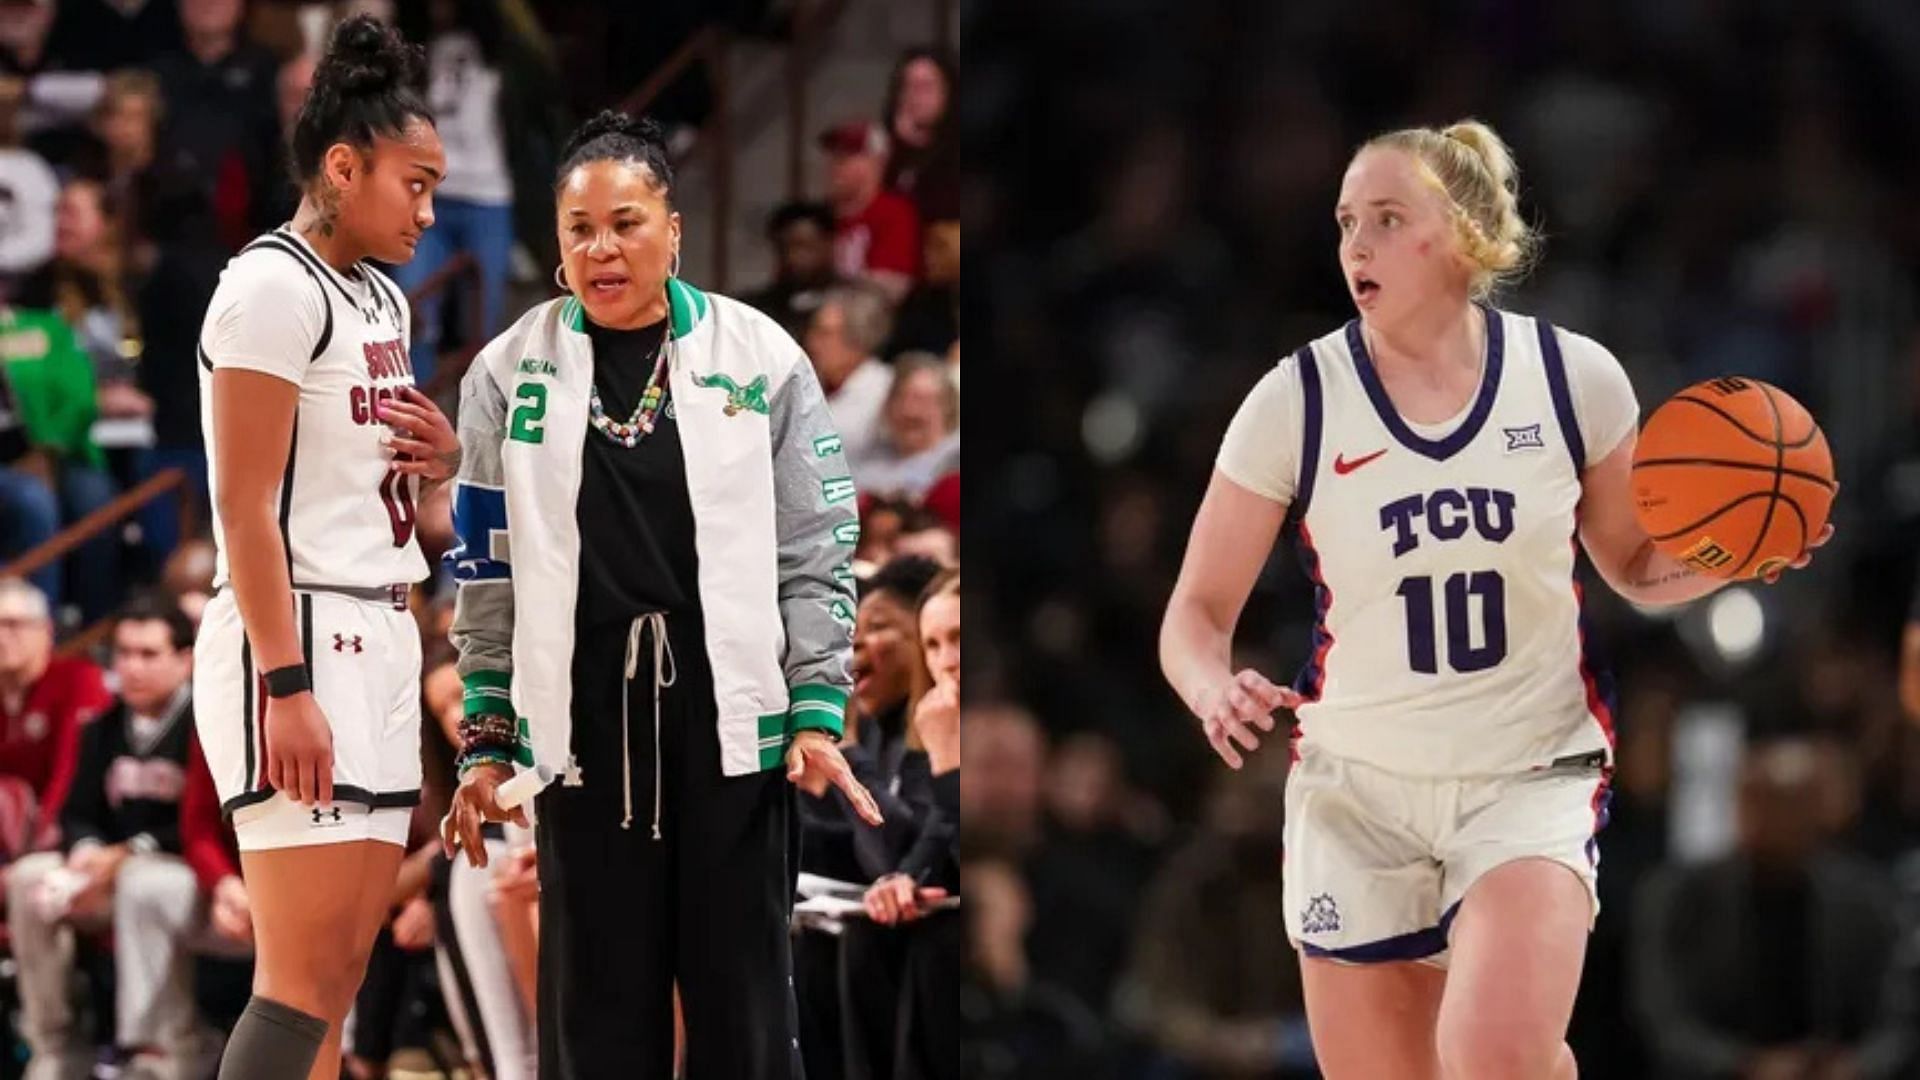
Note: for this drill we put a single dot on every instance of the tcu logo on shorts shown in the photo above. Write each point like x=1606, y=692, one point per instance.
x=1321, y=917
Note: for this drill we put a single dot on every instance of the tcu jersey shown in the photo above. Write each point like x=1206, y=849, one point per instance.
x=1448, y=638
x=348, y=517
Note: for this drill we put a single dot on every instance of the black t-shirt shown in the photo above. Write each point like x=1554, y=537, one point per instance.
x=636, y=518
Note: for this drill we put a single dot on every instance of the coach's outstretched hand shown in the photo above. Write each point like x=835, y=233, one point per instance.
x=814, y=761
x=1231, y=710
x=474, y=802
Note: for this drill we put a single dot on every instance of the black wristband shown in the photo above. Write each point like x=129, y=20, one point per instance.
x=288, y=681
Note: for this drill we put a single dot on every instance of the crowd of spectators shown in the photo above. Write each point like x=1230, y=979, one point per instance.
x=140, y=147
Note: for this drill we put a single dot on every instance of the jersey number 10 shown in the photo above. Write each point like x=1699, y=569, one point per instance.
x=1462, y=654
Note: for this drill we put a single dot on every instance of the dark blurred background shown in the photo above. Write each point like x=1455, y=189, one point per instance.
x=1723, y=187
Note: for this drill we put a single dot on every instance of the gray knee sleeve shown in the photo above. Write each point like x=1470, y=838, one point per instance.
x=272, y=1042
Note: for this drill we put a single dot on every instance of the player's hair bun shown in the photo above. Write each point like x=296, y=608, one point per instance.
x=1473, y=167
x=366, y=58
x=366, y=85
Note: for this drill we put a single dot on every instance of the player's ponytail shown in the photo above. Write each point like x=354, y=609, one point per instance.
x=1474, y=168
x=616, y=136
x=366, y=85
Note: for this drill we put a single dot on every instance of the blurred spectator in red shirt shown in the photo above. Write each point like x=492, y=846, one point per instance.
x=877, y=231
x=44, y=700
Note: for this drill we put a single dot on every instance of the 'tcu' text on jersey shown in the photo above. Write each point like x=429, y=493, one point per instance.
x=1447, y=514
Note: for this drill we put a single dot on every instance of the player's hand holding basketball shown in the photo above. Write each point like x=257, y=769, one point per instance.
x=424, y=442
x=1772, y=575
x=300, y=749
x=1230, y=711
x=476, y=801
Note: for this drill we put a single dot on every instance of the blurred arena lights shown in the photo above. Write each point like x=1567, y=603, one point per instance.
x=1736, y=624
x=1111, y=428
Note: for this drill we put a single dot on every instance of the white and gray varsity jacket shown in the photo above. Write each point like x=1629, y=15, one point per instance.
x=774, y=521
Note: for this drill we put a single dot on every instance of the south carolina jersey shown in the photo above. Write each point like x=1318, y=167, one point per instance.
x=347, y=516
x=1448, y=637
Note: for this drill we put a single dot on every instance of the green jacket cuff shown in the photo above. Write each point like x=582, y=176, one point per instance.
x=489, y=693
x=817, y=708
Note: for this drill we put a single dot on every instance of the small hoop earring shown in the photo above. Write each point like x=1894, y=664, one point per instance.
x=560, y=277
x=675, y=272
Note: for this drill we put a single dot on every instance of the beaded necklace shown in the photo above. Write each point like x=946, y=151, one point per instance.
x=628, y=433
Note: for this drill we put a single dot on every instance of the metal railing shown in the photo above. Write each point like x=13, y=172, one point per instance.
x=463, y=268
x=708, y=46
x=87, y=528
x=122, y=507
x=712, y=46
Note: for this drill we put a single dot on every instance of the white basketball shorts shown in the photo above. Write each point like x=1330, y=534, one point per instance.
x=1377, y=862
x=365, y=663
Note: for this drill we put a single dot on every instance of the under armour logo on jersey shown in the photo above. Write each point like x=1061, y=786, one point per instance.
x=341, y=643
x=320, y=815
x=1524, y=438
x=1321, y=917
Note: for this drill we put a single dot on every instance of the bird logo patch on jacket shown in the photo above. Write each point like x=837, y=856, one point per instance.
x=751, y=397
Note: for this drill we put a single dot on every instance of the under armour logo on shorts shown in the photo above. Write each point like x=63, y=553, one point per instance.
x=341, y=643
x=1321, y=917
x=319, y=815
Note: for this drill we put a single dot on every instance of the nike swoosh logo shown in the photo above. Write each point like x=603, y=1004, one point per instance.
x=1341, y=466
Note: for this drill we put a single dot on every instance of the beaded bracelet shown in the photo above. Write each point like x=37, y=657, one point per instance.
x=489, y=728
x=481, y=755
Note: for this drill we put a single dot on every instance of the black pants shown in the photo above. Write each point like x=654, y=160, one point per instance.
x=929, y=1033
x=900, y=998
x=872, y=968
x=624, y=917
x=816, y=972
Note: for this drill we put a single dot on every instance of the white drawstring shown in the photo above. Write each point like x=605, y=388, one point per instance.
x=663, y=675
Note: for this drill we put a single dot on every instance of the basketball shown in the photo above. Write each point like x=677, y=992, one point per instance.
x=1733, y=478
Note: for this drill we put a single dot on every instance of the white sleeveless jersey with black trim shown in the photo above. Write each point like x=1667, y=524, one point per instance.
x=347, y=516
x=1448, y=638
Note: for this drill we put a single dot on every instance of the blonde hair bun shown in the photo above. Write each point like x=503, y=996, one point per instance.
x=1470, y=164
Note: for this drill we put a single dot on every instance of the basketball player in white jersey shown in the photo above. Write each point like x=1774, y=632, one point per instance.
x=307, y=669
x=1437, y=459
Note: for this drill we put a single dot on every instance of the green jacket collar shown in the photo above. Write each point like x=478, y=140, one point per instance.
x=686, y=306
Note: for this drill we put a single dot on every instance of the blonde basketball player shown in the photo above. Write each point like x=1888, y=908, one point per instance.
x=307, y=669
x=1437, y=459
